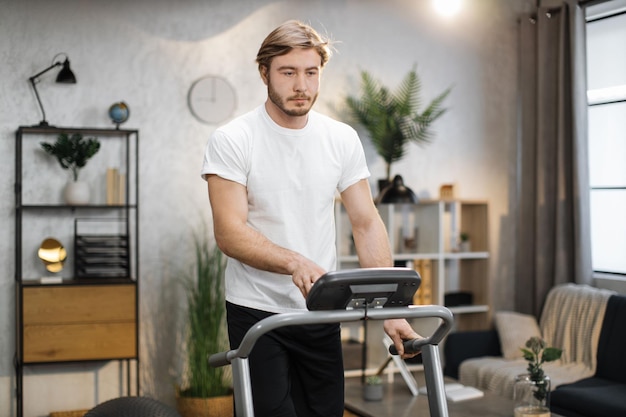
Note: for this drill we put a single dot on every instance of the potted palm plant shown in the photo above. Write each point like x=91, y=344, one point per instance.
x=392, y=118
x=204, y=390
x=73, y=152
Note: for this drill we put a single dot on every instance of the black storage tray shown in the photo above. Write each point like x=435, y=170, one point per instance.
x=101, y=256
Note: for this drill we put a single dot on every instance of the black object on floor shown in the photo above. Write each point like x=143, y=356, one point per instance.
x=132, y=407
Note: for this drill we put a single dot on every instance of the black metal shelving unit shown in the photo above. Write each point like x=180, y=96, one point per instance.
x=126, y=212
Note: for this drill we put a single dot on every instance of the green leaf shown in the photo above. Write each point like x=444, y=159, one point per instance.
x=393, y=119
x=551, y=354
x=206, y=313
x=72, y=152
x=528, y=354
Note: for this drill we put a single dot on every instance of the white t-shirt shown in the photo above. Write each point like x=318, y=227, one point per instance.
x=291, y=176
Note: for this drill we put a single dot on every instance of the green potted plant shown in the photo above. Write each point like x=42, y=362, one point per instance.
x=204, y=388
x=532, y=390
x=73, y=152
x=373, y=388
x=464, y=242
x=393, y=119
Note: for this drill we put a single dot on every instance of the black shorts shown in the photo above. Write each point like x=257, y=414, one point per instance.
x=295, y=371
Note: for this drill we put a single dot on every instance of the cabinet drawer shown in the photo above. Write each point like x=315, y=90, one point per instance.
x=79, y=304
x=75, y=342
x=79, y=322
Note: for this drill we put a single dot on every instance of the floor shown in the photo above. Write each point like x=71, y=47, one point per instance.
x=81, y=413
x=398, y=401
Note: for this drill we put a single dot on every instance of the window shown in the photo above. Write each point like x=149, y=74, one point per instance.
x=606, y=94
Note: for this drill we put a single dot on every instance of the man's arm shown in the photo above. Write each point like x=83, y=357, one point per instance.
x=368, y=230
x=229, y=203
x=372, y=248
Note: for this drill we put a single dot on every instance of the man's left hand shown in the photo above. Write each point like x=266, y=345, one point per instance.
x=400, y=330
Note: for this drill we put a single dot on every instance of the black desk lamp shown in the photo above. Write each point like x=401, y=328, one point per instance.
x=397, y=193
x=65, y=76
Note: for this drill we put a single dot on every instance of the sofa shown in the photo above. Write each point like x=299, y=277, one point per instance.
x=588, y=323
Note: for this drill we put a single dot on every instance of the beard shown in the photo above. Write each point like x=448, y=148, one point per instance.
x=300, y=109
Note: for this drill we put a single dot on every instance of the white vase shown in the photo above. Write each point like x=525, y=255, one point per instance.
x=76, y=193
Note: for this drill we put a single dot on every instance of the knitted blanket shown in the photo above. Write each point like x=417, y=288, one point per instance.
x=571, y=320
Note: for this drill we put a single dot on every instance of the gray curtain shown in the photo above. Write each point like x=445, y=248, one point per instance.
x=553, y=235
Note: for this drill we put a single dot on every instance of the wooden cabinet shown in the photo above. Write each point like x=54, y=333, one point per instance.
x=89, y=310
x=427, y=237
x=79, y=323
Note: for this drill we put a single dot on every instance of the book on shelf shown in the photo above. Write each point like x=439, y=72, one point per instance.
x=424, y=294
x=115, y=187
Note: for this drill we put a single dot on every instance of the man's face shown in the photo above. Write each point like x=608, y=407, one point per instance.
x=293, y=81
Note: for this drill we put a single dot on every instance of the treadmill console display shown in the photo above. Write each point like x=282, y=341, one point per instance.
x=364, y=288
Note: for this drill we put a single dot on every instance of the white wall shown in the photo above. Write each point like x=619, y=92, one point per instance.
x=148, y=53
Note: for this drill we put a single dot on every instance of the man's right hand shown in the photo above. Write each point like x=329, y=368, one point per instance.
x=305, y=274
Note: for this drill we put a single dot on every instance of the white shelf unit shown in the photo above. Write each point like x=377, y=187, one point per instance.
x=430, y=230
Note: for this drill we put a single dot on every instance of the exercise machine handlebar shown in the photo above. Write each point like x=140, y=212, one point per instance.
x=337, y=316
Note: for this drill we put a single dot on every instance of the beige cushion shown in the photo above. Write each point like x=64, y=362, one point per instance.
x=514, y=329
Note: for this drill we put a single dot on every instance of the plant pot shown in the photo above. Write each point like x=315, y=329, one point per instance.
x=205, y=407
x=373, y=392
x=76, y=193
x=532, y=398
x=465, y=246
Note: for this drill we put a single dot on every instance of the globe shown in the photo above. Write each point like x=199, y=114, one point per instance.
x=119, y=112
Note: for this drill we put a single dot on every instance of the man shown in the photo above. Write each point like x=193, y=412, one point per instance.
x=272, y=177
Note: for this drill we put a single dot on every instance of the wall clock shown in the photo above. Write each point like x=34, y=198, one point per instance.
x=212, y=99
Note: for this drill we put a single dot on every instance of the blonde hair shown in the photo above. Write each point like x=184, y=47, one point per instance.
x=292, y=34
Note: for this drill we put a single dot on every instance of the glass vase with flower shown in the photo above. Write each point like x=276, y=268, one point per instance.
x=532, y=390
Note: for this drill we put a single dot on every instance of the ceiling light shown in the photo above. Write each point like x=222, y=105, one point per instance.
x=447, y=8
